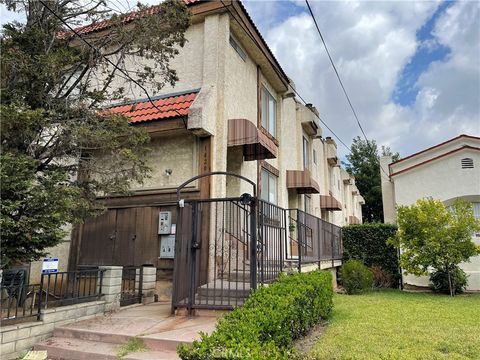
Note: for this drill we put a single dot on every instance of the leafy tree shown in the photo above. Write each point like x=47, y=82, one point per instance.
x=431, y=235
x=54, y=135
x=363, y=164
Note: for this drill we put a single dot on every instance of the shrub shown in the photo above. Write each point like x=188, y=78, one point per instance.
x=381, y=278
x=368, y=243
x=271, y=318
x=440, y=284
x=356, y=277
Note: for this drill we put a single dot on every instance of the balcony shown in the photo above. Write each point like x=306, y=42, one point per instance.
x=328, y=202
x=256, y=145
x=331, y=151
x=302, y=182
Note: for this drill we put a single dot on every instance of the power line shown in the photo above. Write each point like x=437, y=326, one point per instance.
x=124, y=72
x=243, y=26
x=335, y=69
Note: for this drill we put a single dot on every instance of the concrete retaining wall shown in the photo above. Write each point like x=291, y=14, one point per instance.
x=18, y=338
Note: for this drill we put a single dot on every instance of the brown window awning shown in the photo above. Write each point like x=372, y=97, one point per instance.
x=352, y=220
x=301, y=180
x=256, y=145
x=328, y=202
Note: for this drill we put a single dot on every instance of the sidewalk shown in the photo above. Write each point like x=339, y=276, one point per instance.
x=101, y=338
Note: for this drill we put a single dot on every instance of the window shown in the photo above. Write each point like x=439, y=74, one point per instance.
x=237, y=48
x=307, y=204
x=314, y=157
x=269, y=187
x=269, y=112
x=467, y=163
x=476, y=210
x=306, y=157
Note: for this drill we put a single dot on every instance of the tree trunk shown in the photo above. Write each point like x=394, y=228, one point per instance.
x=450, y=285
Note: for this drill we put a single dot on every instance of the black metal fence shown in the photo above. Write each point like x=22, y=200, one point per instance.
x=132, y=279
x=312, y=240
x=226, y=247
x=271, y=241
x=22, y=302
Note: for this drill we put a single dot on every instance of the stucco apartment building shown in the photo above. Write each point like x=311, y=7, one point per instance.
x=232, y=110
x=447, y=171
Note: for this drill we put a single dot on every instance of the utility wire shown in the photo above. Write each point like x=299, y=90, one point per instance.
x=124, y=72
x=335, y=69
x=244, y=27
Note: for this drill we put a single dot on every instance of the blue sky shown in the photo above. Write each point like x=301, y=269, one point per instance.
x=411, y=68
x=428, y=51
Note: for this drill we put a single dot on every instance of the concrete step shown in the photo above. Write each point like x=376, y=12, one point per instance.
x=90, y=335
x=59, y=348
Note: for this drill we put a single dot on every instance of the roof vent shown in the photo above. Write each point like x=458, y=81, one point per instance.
x=467, y=163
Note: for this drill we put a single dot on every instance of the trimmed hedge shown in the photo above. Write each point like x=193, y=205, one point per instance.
x=368, y=243
x=271, y=318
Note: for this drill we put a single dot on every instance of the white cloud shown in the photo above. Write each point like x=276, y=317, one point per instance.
x=371, y=42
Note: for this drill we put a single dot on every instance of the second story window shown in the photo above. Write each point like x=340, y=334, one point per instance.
x=269, y=112
x=306, y=154
x=237, y=48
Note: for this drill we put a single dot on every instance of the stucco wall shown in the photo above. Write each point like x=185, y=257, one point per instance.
x=176, y=151
x=443, y=179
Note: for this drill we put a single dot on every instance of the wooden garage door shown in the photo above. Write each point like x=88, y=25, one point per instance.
x=121, y=237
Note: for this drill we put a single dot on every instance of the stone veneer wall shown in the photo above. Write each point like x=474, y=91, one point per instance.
x=18, y=338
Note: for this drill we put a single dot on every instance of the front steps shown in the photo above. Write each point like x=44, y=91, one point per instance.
x=78, y=344
x=101, y=338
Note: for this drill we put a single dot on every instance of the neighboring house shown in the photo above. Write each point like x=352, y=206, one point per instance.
x=233, y=109
x=447, y=171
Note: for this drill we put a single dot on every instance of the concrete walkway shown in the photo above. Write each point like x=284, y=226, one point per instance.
x=101, y=338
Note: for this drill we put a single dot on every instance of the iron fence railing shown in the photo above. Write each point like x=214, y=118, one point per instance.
x=313, y=240
x=132, y=279
x=21, y=302
x=271, y=241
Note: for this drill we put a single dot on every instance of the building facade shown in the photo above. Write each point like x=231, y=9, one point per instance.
x=447, y=171
x=232, y=110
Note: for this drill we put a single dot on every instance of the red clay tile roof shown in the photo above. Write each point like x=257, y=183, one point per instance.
x=168, y=107
x=104, y=24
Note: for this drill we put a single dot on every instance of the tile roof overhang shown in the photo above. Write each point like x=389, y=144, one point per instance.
x=256, y=145
x=328, y=202
x=302, y=182
x=222, y=5
x=126, y=18
x=167, y=106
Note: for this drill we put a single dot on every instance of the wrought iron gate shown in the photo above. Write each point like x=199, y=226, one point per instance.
x=215, y=252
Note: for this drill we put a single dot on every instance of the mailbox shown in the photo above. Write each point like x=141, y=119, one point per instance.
x=164, y=222
x=167, y=247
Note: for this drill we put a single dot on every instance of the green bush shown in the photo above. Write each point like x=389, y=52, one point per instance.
x=356, y=277
x=368, y=243
x=271, y=318
x=439, y=281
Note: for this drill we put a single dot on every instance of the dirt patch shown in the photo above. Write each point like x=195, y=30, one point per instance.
x=306, y=343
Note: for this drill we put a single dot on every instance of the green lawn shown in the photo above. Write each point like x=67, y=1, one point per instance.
x=398, y=325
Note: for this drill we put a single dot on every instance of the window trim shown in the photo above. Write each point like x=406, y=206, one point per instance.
x=237, y=47
x=263, y=191
x=264, y=90
x=306, y=153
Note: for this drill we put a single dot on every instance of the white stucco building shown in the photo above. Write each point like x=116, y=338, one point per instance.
x=447, y=171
